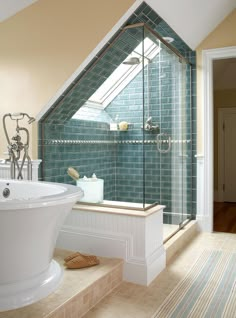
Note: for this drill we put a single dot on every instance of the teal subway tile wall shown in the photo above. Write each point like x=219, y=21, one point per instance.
x=128, y=161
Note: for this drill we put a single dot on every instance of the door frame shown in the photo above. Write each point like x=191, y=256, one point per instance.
x=221, y=142
x=206, y=182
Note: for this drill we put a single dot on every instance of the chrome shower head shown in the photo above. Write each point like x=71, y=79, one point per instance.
x=31, y=119
x=132, y=61
x=149, y=120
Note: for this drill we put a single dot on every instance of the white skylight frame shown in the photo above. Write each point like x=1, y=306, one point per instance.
x=122, y=75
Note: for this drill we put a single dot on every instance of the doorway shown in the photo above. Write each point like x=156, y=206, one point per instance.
x=224, y=87
x=205, y=172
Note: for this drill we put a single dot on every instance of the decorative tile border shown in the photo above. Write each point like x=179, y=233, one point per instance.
x=113, y=142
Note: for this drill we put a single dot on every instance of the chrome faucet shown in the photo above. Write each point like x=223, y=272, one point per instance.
x=16, y=146
x=148, y=126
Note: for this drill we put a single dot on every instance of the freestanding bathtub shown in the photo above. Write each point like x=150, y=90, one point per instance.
x=31, y=214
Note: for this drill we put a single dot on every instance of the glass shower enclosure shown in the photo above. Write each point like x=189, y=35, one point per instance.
x=132, y=125
x=154, y=156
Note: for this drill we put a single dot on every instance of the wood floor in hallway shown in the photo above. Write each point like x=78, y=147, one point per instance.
x=225, y=217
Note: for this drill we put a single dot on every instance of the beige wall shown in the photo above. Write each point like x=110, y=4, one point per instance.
x=223, y=36
x=222, y=99
x=43, y=45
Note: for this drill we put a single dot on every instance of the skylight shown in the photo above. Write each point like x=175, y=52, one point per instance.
x=122, y=75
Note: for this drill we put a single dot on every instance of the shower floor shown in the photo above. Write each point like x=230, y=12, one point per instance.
x=168, y=230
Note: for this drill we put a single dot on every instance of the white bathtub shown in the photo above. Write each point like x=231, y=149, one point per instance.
x=30, y=220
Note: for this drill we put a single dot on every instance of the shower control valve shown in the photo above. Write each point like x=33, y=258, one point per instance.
x=148, y=126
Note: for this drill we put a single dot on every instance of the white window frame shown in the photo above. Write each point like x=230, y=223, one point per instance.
x=115, y=86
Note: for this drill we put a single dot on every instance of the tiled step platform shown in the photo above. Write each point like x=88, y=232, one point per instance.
x=80, y=290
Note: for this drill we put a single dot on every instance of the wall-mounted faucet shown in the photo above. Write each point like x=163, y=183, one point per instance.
x=148, y=126
x=15, y=146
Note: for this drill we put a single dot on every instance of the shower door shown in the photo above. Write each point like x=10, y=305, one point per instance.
x=168, y=151
x=174, y=140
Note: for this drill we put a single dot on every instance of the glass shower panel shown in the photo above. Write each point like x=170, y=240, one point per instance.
x=167, y=139
x=187, y=144
x=128, y=107
x=151, y=116
x=173, y=140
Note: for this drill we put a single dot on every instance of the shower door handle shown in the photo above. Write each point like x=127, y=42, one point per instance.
x=161, y=141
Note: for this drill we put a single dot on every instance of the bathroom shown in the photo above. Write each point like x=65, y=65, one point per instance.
x=39, y=59
x=152, y=161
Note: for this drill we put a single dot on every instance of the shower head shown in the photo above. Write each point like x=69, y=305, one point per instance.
x=149, y=120
x=31, y=119
x=132, y=61
x=168, y=39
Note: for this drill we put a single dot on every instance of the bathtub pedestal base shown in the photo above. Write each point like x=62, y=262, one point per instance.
x=22, y=293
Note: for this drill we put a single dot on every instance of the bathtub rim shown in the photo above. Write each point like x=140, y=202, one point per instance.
x=69, y=194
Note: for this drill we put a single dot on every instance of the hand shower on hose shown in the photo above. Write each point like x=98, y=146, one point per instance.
x=16, y=146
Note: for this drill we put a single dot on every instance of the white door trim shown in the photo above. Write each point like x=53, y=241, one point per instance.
x=221, y=162
x=207, y=103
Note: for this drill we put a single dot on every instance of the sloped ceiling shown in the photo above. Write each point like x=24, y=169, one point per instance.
x=9, y=8
x=192, y=20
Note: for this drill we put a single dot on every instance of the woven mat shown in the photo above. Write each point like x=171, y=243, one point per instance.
x=208, y=290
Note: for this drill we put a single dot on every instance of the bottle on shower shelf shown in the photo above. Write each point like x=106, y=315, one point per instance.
x=114, y=125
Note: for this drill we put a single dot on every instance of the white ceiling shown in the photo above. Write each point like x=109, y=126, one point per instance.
x=192, y=20
x=11, y=7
